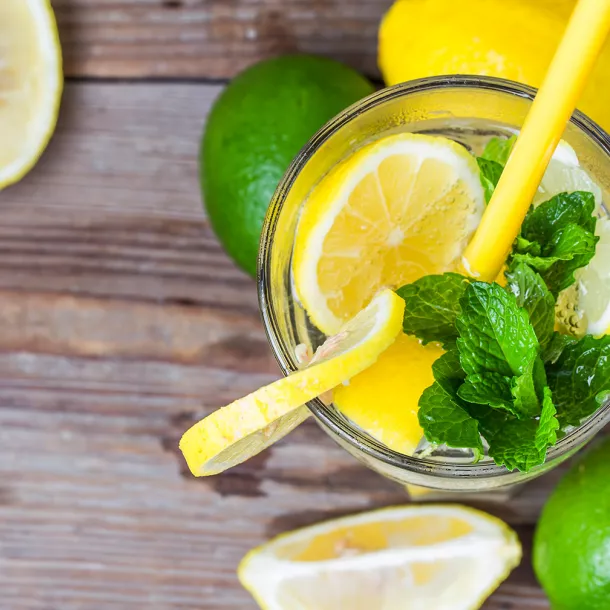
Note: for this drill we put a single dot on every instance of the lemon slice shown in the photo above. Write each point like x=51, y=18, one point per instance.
x=399, y=208
x=244, y=428
x=31, y=83
x=445, y=557
x=383, y=399
x=594, y=284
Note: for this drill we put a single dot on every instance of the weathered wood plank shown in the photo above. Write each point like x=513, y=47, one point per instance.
x=211, y=38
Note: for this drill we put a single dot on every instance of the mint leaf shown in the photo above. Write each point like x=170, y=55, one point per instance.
x=499, y=149
x=524, y=246
x=445, y=421
x=442, y=414
x=447, y=370
x=495, y=333
x=546, y=434
x=488, y=388
x=563, y=209
x=556, y=346
x=572, y=248
x=557, y=238
x=579, y=378
x=432, y=305
x=489, y=174
x=528, y=389
x=522, y=444
x=532, y=294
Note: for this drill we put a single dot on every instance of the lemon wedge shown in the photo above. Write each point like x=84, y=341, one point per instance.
x=383, y=399
x=397, y=209
x=244, y=428
x=445, y=557
x=594, y=284
x=31, y=83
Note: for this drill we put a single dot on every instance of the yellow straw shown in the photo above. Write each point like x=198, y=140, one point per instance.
x=541, y=132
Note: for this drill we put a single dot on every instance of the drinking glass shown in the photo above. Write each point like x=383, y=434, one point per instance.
x=466, y=109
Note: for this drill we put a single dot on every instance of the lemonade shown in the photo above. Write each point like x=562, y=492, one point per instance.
x=335, y=236
x=414, y=366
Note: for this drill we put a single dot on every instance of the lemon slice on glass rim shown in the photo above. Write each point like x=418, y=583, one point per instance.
x=31, y=84
x=244, y=428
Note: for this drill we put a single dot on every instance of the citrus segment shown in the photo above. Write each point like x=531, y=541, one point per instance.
x=247, y=426
x=399, y=208
x=443, y=557
x=31, y=83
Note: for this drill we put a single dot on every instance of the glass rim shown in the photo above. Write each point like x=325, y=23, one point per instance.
x=328, y=416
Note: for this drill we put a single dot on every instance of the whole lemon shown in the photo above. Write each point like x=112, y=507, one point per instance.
x=256, y=127
x=513, y=39
x=572, y=542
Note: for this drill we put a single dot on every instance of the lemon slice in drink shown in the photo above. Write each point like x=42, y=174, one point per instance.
x=31, y=83
x=565, y=175
x=242, y=429
x=442, y=557
x=397, y=209
x=594, y=284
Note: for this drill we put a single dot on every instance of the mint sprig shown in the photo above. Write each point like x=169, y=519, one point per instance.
x=558, y=238
x=489, y=384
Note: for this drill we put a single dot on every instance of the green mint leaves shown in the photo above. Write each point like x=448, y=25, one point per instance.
x=521, y=445
x=495, y=333
x=432, y=305
x=442, y=413
x=492, y=162
x=491, y=379
x=532, y=294
x=490, y=175
x=558, y=237
x=499, y=149
x=580, y=379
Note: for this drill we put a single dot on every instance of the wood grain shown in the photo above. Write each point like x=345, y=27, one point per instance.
x=211, y=38
x=122, y=322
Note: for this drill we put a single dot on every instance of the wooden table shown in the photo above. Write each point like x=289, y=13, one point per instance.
x=122, y=322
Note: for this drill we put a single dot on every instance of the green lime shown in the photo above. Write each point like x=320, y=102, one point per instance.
x=255, y=129
x=572, y=541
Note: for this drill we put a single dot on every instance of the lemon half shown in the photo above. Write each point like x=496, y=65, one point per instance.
x=31, y=83
x=419, y=557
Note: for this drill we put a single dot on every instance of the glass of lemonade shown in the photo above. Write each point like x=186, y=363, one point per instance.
x=468, y=110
